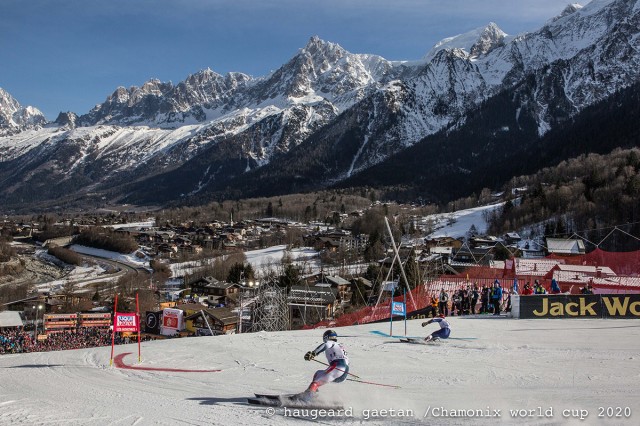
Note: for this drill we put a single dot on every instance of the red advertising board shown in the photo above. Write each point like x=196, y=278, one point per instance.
x=170, y=321
x=126, y=322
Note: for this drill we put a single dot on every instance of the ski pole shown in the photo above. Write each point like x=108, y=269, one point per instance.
x=323, y=363
x=373, y=383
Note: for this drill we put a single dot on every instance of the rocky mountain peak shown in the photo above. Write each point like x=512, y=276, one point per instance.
x=322, y=54
x=14, y=117
x=490, y=37
x=8, y=102
x=67, y=119
x=571, y=8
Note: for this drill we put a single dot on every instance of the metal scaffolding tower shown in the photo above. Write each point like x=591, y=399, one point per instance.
x=271, y=312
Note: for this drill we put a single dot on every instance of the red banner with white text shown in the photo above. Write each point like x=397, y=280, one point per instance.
x=126, y=322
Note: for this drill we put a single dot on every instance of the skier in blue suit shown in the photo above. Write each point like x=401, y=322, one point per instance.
x=442, y=333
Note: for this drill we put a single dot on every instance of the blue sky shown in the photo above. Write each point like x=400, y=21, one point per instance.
x=69, y=55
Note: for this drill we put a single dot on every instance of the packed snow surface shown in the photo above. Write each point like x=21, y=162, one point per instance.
x=561, y=368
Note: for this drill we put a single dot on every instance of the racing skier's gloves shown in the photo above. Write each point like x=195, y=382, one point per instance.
x=309, y=356
x=426, y=323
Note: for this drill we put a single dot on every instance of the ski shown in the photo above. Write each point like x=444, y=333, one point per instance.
x=419, y=341
x=289, y=401
x=415, y=341
x=273, y=396
x=264, y=401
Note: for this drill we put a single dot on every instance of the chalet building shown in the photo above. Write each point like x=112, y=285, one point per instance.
x=27, y=304
x=337, y=240
x=531, y=249
x=362, y=285
x=182, y=241
x=78, y=296
x=535, y=268
x=565, y=247
x=167, y=250
x=563, y=272
x=467, y=256
x=443, y=242
x=217, y=292
x=512, y=238
x=219, y=320
x=484, y=241
x=310, y=304
x=209, y=243
x=342, y=286
x=326, y=243
x=189, y=249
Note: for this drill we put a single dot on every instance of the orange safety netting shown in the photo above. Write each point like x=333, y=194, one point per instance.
x=626, y=266
x=622, y=263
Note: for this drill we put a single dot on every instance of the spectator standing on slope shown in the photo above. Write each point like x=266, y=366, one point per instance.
x=496, y=297
x=475, y=295
x=485, y=300
x=527, y=291
x=443, y=303
x=539, y=289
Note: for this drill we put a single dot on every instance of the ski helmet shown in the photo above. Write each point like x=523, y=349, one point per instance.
x=330, y=335
x=441, y=316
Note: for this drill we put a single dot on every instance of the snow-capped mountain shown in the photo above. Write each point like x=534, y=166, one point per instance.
x=350, y=111
x=166, y=105
x=15, y=118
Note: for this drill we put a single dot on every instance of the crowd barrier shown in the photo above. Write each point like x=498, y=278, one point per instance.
x=576, y=306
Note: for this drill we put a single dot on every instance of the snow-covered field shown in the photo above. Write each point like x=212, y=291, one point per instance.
x=560, y=368
x=457, y=224
x=130, y=259
x=264, y=259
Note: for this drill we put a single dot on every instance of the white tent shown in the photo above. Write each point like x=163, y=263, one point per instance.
x=10, y=319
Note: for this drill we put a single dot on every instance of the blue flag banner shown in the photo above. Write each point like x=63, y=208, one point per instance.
x=397, y=308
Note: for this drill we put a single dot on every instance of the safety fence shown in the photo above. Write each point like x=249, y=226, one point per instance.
x=624, y=279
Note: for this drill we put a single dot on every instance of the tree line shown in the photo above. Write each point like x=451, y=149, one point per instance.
x=591, y=192
x=107, y=239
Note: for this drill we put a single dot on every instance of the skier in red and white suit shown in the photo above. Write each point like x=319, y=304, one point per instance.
x=338, y=369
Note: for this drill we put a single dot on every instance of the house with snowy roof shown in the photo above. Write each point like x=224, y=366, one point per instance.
x=565, y=246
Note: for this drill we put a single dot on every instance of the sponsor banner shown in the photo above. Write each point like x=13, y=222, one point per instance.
x=106, y=316
x=580, y=306
x=53, y=317
x=152, y=322
x=172, y=321
x=95, y=320
x=397, y=308
x=126, y=322
x=620, y=306
x=417, y=314
x=60, y=324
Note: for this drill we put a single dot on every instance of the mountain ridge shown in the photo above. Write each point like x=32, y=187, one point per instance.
x=352, y=111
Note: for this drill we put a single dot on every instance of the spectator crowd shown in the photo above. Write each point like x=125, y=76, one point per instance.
x=20, y=341
x=470, y=300
x=488, y=299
